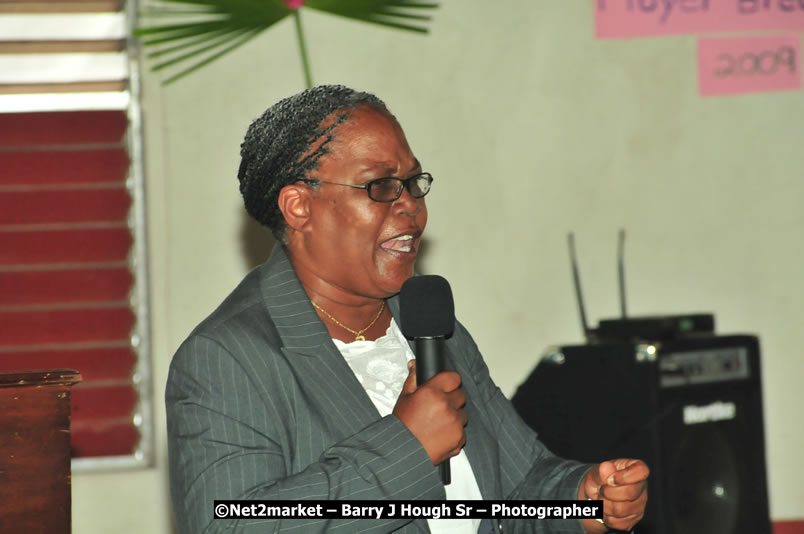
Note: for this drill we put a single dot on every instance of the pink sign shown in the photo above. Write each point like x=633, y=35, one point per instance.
x=748, y=65
x=638, y=18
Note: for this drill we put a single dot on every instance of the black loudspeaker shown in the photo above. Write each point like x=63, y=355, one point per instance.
x=690, y=408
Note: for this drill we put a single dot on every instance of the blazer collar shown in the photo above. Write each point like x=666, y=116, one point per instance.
x=306, y=343
x=290, y=309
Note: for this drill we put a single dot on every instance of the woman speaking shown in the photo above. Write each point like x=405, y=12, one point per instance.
x=301, y=386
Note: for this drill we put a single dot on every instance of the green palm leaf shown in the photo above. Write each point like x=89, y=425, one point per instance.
x=196, y=32
x=391, y=13
x=201, y=31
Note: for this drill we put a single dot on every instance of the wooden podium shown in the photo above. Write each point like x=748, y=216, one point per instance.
x=35, y=450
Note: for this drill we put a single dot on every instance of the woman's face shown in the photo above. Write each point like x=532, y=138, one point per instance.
x=365, y=247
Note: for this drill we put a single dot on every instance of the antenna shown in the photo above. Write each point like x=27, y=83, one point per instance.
x=632, y=329
x=621, y=270
x=576, y=276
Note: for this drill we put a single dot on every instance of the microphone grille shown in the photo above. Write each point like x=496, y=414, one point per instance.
x=426, y=307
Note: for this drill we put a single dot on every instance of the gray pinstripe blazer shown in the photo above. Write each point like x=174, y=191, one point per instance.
x=261, y=405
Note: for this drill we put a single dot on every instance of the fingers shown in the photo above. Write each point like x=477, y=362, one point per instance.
x=409, y=385
x=606, y=471
x=445, y=381
x=595, y=479
x=624, y=515
x=623, y=490
x=434, y=413
x=627, y=471
x=456, y=399
x=456, y=450
x=625, y=524
x=624, y=472
x=628, y=492
x=624, y=509
x=449, y=382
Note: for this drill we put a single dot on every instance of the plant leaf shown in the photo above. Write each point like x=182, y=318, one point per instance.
x=245, y=38
x=198, y=27
x=201, y=25
x=390, y=13
x=208, y=44
x=186, y=43
x=180, y=31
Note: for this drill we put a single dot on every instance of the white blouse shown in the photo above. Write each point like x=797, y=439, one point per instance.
x=381, y=367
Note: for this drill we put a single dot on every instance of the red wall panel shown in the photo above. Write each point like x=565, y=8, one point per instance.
x=65, y=279
x=70, y=206
x=112, y=438
x=38, y=167
x=64, y=246
x=25, y=288
x=788, y=527
x=62, y=128
x=66, y=326
x=102, y=402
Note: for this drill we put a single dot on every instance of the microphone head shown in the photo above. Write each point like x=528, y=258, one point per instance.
x=426, y=307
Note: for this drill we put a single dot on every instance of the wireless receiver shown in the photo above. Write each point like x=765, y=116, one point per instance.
x=629, y=329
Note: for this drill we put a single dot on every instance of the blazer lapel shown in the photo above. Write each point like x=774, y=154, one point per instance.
x=309, y=349
x=482, y=451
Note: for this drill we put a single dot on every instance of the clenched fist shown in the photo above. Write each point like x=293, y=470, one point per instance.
x=434, y=413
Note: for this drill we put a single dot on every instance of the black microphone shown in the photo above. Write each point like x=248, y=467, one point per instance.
x=427, y=313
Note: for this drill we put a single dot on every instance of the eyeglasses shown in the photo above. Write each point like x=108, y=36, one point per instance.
x=389, y=189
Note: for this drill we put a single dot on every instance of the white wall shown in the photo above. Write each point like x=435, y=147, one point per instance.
x=532, y=128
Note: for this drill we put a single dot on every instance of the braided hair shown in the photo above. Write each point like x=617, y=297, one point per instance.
x=277, y=148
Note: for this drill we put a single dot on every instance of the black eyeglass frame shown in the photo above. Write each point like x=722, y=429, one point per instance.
x=405, y=184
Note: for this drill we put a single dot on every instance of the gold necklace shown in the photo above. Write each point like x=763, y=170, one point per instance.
x=358, y=333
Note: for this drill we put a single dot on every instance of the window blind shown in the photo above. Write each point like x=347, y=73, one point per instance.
x=72, y=254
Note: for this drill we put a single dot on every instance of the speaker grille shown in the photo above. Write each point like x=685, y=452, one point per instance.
x=694, y=418
x=703, y=483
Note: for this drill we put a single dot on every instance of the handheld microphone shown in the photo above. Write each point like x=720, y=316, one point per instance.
x=427, y=313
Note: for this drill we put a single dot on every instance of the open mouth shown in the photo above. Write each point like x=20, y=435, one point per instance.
x=400, y=243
